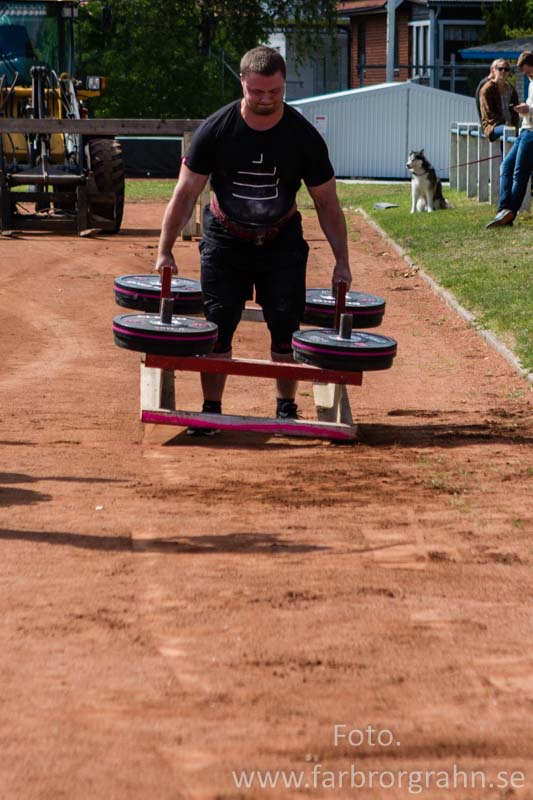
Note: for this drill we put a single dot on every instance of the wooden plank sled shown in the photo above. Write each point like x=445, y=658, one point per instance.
x=334, y=417
x=329, y=387
x=230, y=422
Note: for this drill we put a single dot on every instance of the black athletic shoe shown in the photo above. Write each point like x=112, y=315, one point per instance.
x=209, y=407
x=286, y=409
x=202, y=431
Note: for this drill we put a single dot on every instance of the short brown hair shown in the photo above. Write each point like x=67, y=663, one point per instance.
x=263, y=60
x=525, y=58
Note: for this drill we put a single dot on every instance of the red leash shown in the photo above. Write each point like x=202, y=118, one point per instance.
x=467, y=163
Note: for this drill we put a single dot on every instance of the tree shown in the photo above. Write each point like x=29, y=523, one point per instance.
x=177, y=58
x=501, y=18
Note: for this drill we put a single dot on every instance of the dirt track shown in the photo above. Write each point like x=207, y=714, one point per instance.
x=175, y=609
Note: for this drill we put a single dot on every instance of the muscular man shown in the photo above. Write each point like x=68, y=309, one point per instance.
x=256, y=152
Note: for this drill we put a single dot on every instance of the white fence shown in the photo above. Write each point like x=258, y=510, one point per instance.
x=475, y=162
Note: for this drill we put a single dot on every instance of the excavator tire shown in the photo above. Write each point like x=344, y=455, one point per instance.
x=105, y=158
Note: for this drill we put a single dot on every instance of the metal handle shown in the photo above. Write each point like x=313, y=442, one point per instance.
x=345, y=327
x=166, y=280
x=166, y=303
x=340, y=301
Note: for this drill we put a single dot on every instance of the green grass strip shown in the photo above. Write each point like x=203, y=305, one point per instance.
x=149, y=191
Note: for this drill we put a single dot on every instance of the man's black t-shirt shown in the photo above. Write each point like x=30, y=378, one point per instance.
x=255, y=175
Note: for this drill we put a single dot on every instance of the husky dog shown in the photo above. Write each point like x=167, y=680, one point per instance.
x=426, y=188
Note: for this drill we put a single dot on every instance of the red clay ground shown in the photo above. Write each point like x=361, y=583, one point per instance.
x=173, y=609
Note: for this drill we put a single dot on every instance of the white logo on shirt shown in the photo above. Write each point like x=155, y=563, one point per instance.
x=260, y=195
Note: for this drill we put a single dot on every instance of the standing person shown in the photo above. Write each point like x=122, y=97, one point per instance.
x=256, y=152
x=516, y=168
x=497, y=100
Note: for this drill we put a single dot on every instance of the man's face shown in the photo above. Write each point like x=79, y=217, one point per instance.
x=527, y=71
x=263, y=94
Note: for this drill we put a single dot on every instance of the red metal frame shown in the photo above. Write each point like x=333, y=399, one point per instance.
x=254, y=368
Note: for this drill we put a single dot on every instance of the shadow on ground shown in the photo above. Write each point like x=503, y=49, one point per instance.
x=265, y=543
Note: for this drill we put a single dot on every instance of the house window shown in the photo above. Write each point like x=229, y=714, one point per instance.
x=419, y=49
x=453, y=36
x=456, y=35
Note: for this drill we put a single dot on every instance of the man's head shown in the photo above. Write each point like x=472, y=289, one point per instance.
x=525, y=63
x=499, y=69
x=263, y=74
x=264, y=61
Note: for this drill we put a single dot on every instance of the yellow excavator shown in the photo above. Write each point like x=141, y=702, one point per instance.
x=57, y=168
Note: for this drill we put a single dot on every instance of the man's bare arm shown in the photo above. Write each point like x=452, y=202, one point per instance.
x=177, y=214
x=333, y=223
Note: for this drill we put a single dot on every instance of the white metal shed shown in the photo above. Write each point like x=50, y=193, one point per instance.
x=370, y=131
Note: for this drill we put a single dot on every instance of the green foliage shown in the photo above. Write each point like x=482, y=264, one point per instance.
x=177, y=58
x=501, y=19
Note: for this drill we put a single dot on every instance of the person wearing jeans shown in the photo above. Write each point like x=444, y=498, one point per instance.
x=497, y=100
x=517, y=166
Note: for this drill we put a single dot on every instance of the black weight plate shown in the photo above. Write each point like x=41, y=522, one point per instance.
x=366, y=309
x=184, y=336
x=143, y=293
x=326, y=349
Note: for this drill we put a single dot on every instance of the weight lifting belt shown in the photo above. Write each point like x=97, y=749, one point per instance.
x=257, y=235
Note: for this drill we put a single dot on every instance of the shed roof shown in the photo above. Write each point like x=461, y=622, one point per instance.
x=377, y=88
x=360, y=6
x=461, y=3
x=350, y=7
x=509, y=48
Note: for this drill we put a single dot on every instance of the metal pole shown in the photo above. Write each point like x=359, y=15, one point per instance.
x=391, y=38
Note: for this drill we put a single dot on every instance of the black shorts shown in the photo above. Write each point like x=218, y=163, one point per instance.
x=233, y=268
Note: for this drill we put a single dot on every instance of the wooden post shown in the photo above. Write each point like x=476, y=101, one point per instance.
x=462, y=130
x=332, y=403
x=194, y=225
x=189, y=230
x=482, y=168
x=472, y=133
x=454, y=136
x=157, y=387
x=203, y=200
x=494, y=190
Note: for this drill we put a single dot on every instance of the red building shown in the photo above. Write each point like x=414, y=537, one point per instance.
x=428, y=37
